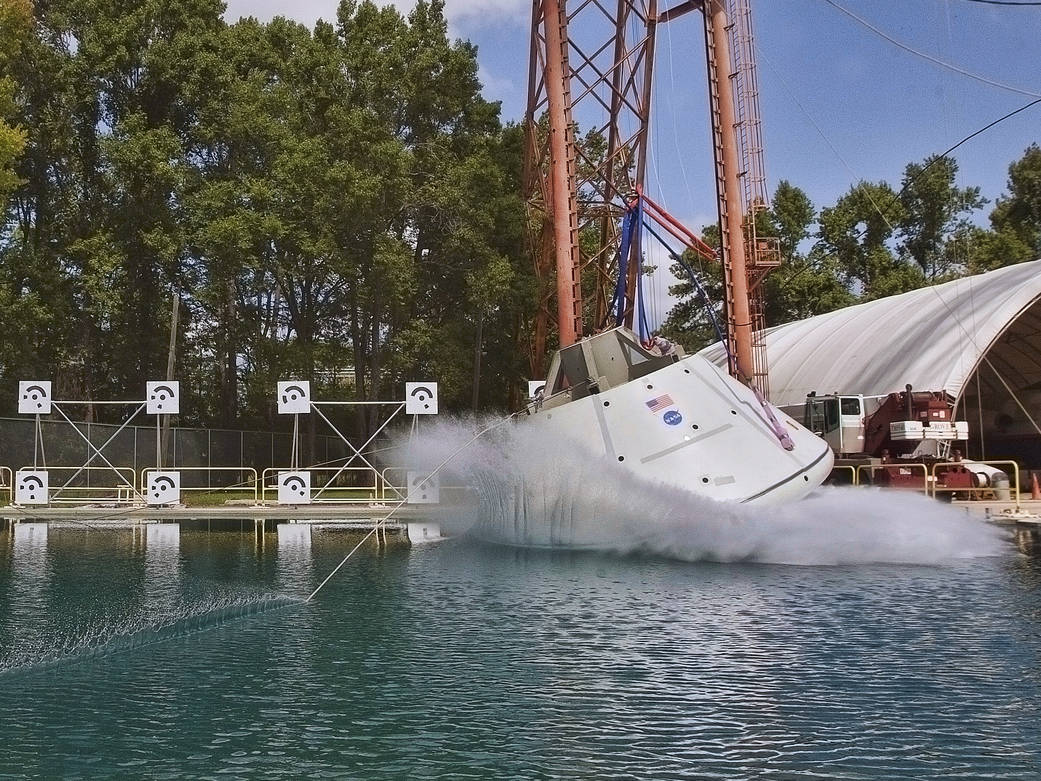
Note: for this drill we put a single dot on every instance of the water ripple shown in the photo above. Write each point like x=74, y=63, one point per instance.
x=463, y=661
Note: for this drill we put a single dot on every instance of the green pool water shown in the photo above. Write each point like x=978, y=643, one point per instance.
x=192, y=655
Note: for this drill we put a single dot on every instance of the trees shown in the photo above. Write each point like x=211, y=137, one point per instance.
x=805, y=284
x=1015, y=232
x=15, y=26
x=1016, y=218
x=692, y=321
x=935, y=213
x=874, y=241
x=857, y=232
x=339, y=202
x=323, y=201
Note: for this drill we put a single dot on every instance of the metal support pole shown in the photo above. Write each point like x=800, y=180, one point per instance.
x=728, y=188
x=97, y=451
x=357, y=451
x=36, y=441
x=294, y=453
x=562, y=163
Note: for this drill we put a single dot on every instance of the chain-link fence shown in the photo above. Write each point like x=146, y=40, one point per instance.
x=134, y=447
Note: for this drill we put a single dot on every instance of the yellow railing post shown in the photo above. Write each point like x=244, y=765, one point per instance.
x=243, y=486
x=7, y=483
x=909, y=468
x=967, y=465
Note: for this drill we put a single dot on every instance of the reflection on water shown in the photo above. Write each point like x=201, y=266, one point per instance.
x=463, y=661
x=293, y=556
x=161, y=585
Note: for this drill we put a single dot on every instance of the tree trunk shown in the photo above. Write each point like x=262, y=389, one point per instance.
x=358, y=345
x=230, y=390
x=171, y=359
x=375, y=385
x=478, y=343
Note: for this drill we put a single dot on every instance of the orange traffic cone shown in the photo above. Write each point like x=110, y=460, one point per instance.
x=1035, y=489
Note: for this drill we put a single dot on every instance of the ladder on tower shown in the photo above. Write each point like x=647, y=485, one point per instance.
x=721, y=186
x=762, y=253
x=556, y=15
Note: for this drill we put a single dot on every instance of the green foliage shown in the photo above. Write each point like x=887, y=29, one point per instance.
x=875, y=242
x=935, y=210
x=15, y=27
x=858, y=232
x=1017, y=216
x=337, y=204
x=804, y=285
x=342, y=205
x=692, y=322
x=790, y=218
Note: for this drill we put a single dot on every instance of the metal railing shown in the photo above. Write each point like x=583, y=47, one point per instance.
x=247, y=482
x=323, y=491
x=7, y=483
x=120, y=492
x=397, y=492
x=854, y=478
x=135, y=445
x=896, y=476
x=391, y=491
x=973, y=490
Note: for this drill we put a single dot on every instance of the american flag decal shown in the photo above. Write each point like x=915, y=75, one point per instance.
x=660, y=403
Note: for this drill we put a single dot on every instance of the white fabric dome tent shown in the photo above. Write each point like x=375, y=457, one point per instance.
x=934, y=339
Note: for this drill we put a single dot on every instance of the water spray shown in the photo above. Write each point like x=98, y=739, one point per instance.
x=381, y=523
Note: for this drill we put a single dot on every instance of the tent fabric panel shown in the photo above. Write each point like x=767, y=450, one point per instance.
x=931, y=338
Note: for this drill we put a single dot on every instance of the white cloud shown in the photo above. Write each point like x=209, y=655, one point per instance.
x=461, y=14
x=473, y=14
x=494, y=87
x=305, y=11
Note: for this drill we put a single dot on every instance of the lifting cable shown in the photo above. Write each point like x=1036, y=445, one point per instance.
x=635, y=217
x=706, y=302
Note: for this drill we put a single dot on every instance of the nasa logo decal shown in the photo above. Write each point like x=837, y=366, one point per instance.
x=672, y=418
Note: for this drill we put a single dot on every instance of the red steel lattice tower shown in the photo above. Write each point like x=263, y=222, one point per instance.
x=597, y=59
x=577, y=195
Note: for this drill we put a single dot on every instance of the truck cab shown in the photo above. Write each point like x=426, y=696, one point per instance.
x=837, y=419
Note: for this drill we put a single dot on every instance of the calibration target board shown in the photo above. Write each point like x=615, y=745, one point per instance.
x=294, y=487
x=163, y=488
x=420, y=398
x=162, y=397
x=34, y=397
x=420, y=492
x=294, y=397
x=30, y=486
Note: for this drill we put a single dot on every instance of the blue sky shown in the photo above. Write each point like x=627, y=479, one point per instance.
x=826, y=81
x=839, y=103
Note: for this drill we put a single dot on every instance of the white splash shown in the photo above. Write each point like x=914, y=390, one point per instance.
x=543, y=493
x=134, y=629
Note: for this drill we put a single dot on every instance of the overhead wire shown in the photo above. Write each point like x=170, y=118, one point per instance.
x=1005, y=2
x=915, y=178
x=815, y=265
x=896, y=196
x=929, y=57
x=823, y=135
x=652, y=154
x=680, y=157
x=675, y=126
